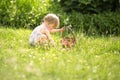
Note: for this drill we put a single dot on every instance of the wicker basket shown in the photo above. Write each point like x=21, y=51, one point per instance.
x=68, y=41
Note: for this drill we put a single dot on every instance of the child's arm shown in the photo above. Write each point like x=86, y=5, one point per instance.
x=57, y=30
x=49, y=37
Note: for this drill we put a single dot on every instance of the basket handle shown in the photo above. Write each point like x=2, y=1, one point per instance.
x=69, y=27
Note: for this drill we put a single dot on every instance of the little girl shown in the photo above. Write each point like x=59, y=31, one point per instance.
x=41, y=34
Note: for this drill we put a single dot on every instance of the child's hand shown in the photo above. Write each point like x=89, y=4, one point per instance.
x=53, y=44
x=63, y=28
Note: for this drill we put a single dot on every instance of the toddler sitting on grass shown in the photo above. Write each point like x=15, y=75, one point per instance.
x=42, y=33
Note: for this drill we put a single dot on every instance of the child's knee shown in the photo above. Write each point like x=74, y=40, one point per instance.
x=42, y=40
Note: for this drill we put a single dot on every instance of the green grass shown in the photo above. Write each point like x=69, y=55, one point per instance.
x=93, y=58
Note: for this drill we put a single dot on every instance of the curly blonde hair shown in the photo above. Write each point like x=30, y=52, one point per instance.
x=52, y=19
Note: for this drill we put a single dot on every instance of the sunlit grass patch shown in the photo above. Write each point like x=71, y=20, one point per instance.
x=93, y=58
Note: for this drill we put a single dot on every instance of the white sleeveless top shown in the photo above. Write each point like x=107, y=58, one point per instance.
x=36, y=34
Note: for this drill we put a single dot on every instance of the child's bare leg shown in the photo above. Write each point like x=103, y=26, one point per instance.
x=42, y=40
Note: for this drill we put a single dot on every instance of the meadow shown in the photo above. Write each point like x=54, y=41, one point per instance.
x=93, y=58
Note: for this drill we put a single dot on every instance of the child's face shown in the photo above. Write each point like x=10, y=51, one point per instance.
x=51, y=26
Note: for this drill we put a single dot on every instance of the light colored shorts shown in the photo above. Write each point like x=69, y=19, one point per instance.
x=37, y=38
